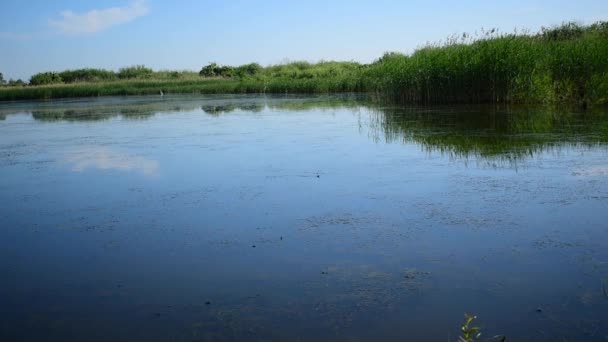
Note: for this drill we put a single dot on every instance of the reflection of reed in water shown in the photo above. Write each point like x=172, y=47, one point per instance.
x=145, y=107
x=98, y=113
x=72, y=115
x=217, y=110
x=288, y=104
x=489, y=133
x=494, y=134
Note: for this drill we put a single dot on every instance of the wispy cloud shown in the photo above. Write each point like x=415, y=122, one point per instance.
x=99, y=19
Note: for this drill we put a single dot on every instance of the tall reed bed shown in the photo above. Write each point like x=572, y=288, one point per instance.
x=563, y=64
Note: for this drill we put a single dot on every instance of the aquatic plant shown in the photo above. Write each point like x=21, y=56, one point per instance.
x=469, y=333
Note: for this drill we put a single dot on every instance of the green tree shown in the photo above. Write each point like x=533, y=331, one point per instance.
x=1, y=78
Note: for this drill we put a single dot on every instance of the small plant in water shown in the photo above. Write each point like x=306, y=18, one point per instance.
x=470, y=334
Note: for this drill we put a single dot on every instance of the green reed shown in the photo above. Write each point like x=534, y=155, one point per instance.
x=568, y=63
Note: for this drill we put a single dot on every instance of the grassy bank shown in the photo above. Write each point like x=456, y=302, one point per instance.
x=119, y=88
x=565, y=64
x=248, y=85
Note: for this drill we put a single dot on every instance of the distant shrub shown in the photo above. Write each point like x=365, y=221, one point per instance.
x=209, y=70
x=87, y=75
x=388, y=56
x=16, y=83
x=43, y=78
x=302, y=65
x=216, y=70
x=251, y=69
x=174, y=75
x=226, y=71
x=136, y=71
x=309, y=71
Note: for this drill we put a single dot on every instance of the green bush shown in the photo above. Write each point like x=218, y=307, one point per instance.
x=251, y=69
x=136, y=71
x=16, y=83
x=216, y=70
x=209, y=70
x=87, y=75
x=45, y=78
x=174, y=75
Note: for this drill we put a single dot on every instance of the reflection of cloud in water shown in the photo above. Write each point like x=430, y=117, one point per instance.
x=104, y=158
x=592, y=171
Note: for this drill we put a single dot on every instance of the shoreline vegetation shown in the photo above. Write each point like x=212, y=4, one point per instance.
x=566, y=64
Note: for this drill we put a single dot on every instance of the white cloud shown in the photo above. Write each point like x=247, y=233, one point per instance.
x=99, y=20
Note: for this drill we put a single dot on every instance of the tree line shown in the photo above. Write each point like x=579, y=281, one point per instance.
x=212, y=70
x=11, y=82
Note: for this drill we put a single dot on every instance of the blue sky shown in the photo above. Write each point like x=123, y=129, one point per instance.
x=42, y=35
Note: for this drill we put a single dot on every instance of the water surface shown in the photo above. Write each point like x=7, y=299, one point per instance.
x=310, y=218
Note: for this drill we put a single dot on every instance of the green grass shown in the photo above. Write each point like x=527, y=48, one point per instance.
x=565, y=64
x=197, y=85
x=120, y=88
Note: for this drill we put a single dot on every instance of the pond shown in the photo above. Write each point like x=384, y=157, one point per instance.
x=300, y=218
